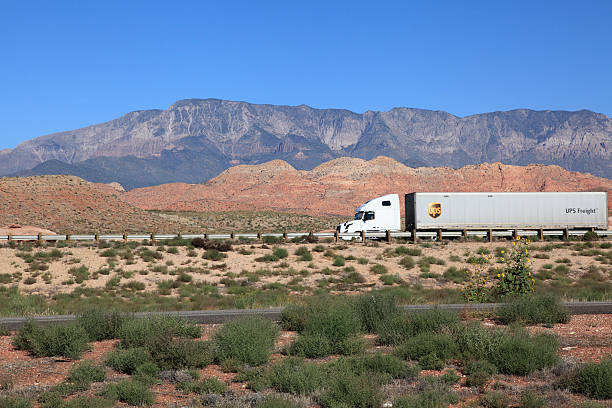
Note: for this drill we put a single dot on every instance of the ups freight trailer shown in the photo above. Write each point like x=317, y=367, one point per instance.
x=463, y=211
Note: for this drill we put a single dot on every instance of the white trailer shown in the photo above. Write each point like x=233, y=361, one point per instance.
x=465, y=211
x=506, y=210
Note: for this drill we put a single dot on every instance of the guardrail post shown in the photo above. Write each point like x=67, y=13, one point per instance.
x=97, y=237
x=439, y=234
x=541, y=234
x=388, y=234
x=125, y=236
x=514, y=234
x=205, y=235
x=336, y=236
x=565, y=234
x=259, y=235
x=180, y=236
x=232, y=236
x=363, y=236
x=153, y=237
x=285, y=235
x=10, y=237
x=464, y=234
x=39, y=238
x=414, y=237
x=67, y=237
x=490, y=235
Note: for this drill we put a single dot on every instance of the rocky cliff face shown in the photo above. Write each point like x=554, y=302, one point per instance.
x=340, y=185
x=194, y=140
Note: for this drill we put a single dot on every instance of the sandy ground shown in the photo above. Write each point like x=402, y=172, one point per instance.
x=282, y=271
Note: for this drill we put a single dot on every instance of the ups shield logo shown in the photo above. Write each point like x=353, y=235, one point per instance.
x=434, y=210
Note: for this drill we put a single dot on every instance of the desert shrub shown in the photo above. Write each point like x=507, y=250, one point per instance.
x=378, y=268
x=479, y=372
x=249, y=340
x=431, y=350
x=86, y=402
x=293, y=317
x=60, y=340
x=127, y=361
x=338, y=260
x=381, y=364
x=407, y=325
x=271, y=240
x=101, y=325
x=85, y=373
x=206, y=386
x=221, y=246
x=390, y=279
x=494, y=399
x=14, y=402
x=318, y=248
x=533, y=309
x=130, y=392
x=476, y=341
x=29, y=280
x=520, y=353
x=353, y=277
x=375, y=307
x=280, y=253
x=138, y=332
x=6, y=278
x=134, y=285
x=295, y=376
x=593, y=380
x=434, y=393
x=532, y=399
x=346, y=389
x=590, y=236
x=515, y=278
x=455, y=275
x=80, y=273
x=168, y=353
x=477, y=379
x=311, y=345
x=275, y=401
x=213, y=255
x=109, y=253
x=335, y=319
x=407, y=262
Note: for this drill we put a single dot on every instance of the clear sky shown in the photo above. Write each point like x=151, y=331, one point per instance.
x=69, y=64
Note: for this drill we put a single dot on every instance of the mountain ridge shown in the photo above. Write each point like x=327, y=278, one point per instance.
x=196, y=139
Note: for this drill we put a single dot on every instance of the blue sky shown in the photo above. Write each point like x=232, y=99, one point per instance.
x=69, y=64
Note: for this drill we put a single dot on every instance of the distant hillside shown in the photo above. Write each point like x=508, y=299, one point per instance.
x=194, y=140
x=340, y=185
x=67, y=204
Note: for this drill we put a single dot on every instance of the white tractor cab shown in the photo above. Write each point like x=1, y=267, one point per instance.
x=377, y=215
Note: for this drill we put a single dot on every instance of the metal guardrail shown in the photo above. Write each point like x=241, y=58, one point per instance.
x=222, y=316
x=291, y=235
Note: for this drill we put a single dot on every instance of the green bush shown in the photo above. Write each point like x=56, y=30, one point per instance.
x=273, y=401
x=381, y=364
x=206, y=386
x=338, y=260
x=335, y=319
x=520, y=353
x=101, y=325
x=455, y=275
x=378, y=269
x=85, y=373
x=130, y=392
x=60, y=340
x=431, y=350
x=138, y=332
x=293, y=317
x=495, y=399
x=346, y=389
x=533, y=309
x=375, y=307
x=213, y=255
x=395, y=329
x=295, y=376
x=280, y=253
x=593, y=380
x=407, y=262
x=434, y=394
x=390, y=279
x=168, y=353
x=312, y=345
x=14, y=402
x=479, y=372
x=475, y=341
x=249, y=340
x=127, y=361
x=532, y=399
x=590, y=236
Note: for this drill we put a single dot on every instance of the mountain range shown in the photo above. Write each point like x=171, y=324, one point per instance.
x=196, y=139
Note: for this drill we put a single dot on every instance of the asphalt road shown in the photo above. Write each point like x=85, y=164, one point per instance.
x=221, y=316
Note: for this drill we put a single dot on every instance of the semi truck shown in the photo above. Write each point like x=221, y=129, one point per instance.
x=482, y=210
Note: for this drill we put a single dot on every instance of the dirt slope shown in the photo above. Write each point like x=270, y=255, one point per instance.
x=68, y=204
x=340, y=185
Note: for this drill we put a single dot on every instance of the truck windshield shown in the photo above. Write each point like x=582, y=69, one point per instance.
x=359, y=215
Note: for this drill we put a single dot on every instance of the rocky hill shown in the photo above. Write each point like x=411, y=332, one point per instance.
x=339, y=186
x=68, y=204
x=194, y=140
